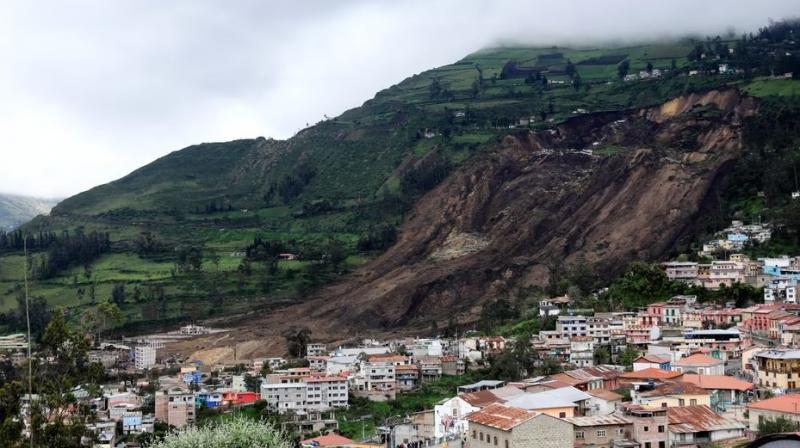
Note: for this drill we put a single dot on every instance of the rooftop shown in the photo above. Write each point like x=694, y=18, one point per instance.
x=605, y=394
x=675, y=388
x=598, y=420
x=700, y=418
x=650, y=374
x=698, y=359
x=652, y=358
x=780, y=354
x=501, y=416
x=723, y=382
x=328, y=440
x=789, y=404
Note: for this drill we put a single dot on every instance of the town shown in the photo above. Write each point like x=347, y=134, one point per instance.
x=673, y=373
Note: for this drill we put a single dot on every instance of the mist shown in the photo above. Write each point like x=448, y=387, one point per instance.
x=91, y=90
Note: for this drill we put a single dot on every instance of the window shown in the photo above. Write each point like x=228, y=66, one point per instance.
x=681, y=402
x=646, y=428
x=562, y=415
x=648, y=445
x=579, y=435
x=601, y=433
x=481, y=436
x=693, y=402
x=620, y=431
x=506, y=443
x=662, y=444
x=660, y=428
x=663, y=404
x=495, y=440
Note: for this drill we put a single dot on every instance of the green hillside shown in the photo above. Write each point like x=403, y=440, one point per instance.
x=333, y=194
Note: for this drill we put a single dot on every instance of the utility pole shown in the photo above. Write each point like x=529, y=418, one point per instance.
x=28, y=321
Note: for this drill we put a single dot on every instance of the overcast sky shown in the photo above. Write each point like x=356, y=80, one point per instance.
x=91, y=90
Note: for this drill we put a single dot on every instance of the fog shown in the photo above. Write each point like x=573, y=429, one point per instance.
x=91, y=90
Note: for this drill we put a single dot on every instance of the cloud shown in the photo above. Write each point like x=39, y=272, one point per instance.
x=91, y=90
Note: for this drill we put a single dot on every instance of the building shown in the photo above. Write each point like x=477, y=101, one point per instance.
x=144, y=357
x=581, y=351
x=316, y=349
x=725, y=390
x=787, y=406
x=175, y=407
x=649, y=361
x=777, y=368
x=430, y=368
x=450, y=417
x=452, y=365
x=603, y=402
x=503, y=426
x=672, y=394
x=561, y=402
x=406, y=376
x=572, y=326
x=649, y=425
x=314, y=393
x=700, y=364
x=699, y=425
x=377, y=380
x=601, y=431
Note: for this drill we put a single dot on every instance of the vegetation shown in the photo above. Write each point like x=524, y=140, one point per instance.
x=777, y=425
x=234, y=433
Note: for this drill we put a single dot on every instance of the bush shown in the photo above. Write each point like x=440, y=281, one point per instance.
x=236, y=433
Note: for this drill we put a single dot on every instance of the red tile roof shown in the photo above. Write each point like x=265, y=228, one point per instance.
x=329, y=440
x=650, y=373
x=675, y=388
x=789, y=404
x=501, y=416
x=722, y=382
x=652, y=358
x=605, y=394
x=698, y=359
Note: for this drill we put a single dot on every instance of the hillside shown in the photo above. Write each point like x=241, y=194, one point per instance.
x=450, y=188
x=16, y=210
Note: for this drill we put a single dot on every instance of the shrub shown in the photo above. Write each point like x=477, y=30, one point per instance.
x=236, y=433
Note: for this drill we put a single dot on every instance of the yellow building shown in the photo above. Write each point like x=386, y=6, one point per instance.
x=778, y=368
x=673, y=394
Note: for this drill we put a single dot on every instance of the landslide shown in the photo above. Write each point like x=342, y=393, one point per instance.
x=498, y=221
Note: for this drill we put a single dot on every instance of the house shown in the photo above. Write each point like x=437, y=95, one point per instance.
x=600, y=431
x=649, y=425
x=787, y=406
x=698, y=425
x=328, y=440
x=316, y=349
x=725, y=390
x=700, y=364
x=450, y=417
x=562, y=402
x=506, y=427
x=406, y=376
x=452, y=365
x=590, y=378
x=376, y=379
x=175, y=407
x=649, y=361
x=648, y=375
x=430, y=368
x=603, y=402
x=481, y=385
x=775, y=368
x=581, y=351
x=672, y=394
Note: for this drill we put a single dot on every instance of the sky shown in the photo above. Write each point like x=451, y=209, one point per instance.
x=92, y=89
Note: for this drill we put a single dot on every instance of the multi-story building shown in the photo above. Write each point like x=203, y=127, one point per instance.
x=376, y=379
x=175, y=407
x=599, y=329
x=572, y=326
x=601, y=431
x=700, y=364
x=650, y=426
x=786, y=406
x=684, y=271
x=315, y=349
x=778, y=368
x=407, y=376
x=430, y=368
x=144, y=357
x=581, y=351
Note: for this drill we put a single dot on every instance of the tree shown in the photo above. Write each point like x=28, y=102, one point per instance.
x=297, y=341
x=570, y=69
x=602, y=355
x=628, y=356
x=118, y=294
x=649, y=67
x=777, y=425
x=641, y=284
x=252, y=383
x=236, y=433
x=576, y=81
x=623, y=67
x=10, y=425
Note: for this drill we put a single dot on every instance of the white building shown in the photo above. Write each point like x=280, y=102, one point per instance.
x=309, y=394
x=144, y=357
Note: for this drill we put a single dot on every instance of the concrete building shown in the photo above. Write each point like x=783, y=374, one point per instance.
x=777, y=368
x=700, y=364
x=316, y=393
x=787, y=406
x=650, y=426
x=699, y=425
x=601, y=431
x=572, y=326
x=581, y=351
x=144, y=357
x=175, y=407
x=503, y=426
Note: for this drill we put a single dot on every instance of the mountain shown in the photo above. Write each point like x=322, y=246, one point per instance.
x=16, y=210
x=458, y=185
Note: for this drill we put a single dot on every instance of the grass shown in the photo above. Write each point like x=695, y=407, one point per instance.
x=773, y=87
